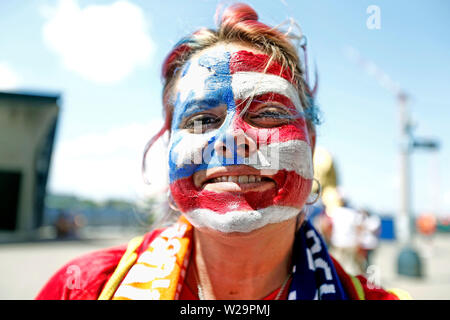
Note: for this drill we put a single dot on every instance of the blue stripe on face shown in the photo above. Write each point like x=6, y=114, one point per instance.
x=216, y=91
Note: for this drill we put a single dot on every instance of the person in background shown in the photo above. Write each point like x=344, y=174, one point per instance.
x=345, y=222
x=368, y=235
x=66, y=226
x=239, y=231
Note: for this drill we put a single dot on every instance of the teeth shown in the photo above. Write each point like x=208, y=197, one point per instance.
x=243, y=179
x=238, y=179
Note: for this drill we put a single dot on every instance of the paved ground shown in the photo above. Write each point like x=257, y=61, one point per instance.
x=435, y=257
x=24, y=267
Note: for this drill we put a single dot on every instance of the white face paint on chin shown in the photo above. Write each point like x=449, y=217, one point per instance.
x=209, y=83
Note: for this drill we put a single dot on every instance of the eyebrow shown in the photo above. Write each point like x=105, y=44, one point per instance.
x=290, y=106
x=294, y=113
x=192, y=106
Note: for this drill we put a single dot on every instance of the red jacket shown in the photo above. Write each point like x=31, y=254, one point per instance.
x=84, y=277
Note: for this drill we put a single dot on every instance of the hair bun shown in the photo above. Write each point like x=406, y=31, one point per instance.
x=236, y=13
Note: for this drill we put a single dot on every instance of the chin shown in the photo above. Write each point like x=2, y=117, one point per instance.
x=244, y=221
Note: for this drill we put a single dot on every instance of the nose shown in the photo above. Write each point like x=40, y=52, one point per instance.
x=235, y=142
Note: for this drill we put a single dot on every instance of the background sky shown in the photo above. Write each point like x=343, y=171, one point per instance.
x=104, y=58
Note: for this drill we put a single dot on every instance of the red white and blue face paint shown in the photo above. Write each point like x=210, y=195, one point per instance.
x=239, y=154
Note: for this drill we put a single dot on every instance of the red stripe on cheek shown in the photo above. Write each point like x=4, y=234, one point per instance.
x=249, y=61
x=294, y=190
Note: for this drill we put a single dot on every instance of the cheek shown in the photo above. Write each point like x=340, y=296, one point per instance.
x=185, y=153
x=284, y=148
x=294, y=191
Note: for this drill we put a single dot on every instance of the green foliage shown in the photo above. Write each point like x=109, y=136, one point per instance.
x=111, y=211
x=59, y=201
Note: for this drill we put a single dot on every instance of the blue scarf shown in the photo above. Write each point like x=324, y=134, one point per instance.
x=314, y=275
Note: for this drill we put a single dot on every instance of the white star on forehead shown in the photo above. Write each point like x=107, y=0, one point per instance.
x=193, y=81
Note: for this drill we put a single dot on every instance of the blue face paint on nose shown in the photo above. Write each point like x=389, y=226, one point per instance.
x=215, y=91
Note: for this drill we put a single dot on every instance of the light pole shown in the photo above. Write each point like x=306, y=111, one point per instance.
x=404, y=216
x=408, y=261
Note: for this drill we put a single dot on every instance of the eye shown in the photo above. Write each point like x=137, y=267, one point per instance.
x=201, y=123
x=270, y=115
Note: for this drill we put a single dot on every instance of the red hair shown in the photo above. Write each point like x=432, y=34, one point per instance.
x=236, y=13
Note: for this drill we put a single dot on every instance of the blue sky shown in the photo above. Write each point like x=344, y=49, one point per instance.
x=104, y=58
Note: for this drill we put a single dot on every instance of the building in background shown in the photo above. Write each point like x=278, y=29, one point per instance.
x=27, y=133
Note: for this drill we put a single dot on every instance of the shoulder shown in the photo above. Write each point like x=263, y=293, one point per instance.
x=358, y=288
x=84, y=277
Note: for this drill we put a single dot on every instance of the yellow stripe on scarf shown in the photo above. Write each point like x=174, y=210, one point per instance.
x=358, y=287
x=124, y=265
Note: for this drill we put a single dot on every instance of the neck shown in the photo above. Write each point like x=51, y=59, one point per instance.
x=242, y=266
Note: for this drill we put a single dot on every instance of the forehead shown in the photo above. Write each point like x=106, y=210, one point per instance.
x=213, y=68
x=210, y=64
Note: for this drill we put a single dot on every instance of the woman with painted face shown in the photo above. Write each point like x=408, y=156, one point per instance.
x=241, y=120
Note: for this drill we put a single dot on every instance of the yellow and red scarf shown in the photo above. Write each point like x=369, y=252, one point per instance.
x=159, y=272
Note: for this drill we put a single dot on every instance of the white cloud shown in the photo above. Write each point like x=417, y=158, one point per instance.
x=9, y=80
x=108, y=164
x=102, y=43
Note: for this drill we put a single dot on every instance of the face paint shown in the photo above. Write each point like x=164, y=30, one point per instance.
x=249, y=161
